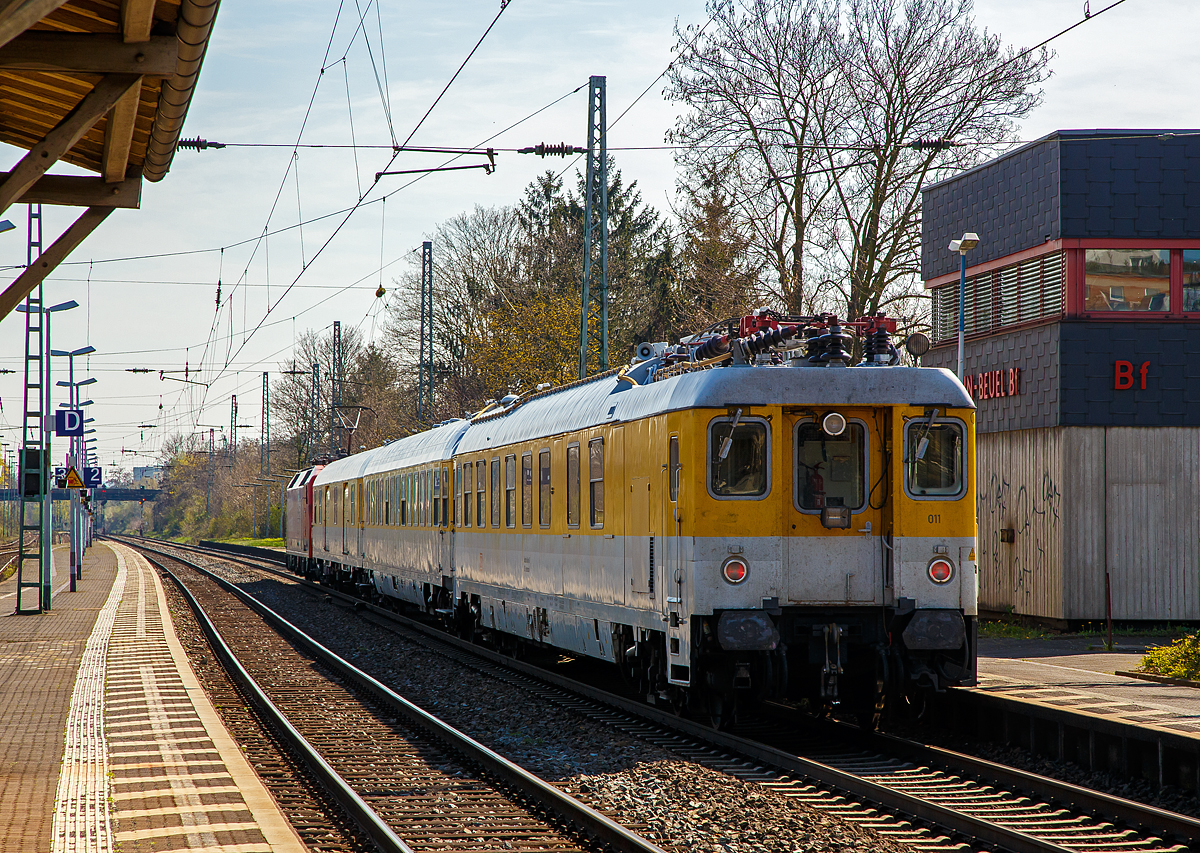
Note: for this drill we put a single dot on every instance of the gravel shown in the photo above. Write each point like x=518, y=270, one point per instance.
x=677, y=803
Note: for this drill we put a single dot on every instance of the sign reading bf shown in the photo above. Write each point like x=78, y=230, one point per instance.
x=68, y=422
x=1123, y=375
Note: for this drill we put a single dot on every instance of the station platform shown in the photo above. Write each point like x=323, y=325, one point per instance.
x=1077, y=673
x=109, y=740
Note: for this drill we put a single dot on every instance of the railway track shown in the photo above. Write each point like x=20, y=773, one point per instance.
x=928, y=798
x=408, y=779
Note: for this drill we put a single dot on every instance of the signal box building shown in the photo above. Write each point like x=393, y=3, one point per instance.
x=1082, y=316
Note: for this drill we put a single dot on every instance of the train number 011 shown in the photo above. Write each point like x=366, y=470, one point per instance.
x=935, y=519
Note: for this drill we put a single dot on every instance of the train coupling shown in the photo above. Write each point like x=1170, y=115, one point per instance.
x=832, y=667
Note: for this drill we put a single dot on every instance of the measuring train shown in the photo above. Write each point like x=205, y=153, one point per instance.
x=736, y=517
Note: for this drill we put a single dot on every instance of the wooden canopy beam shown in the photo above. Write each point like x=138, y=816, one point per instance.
x=51, y=258
x=58, y=142
x=83, y=191
x=137, y=17
x=16, y=16
x=89, y=53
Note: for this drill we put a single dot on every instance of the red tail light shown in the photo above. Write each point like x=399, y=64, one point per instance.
x=735, y=570
x=941, y=570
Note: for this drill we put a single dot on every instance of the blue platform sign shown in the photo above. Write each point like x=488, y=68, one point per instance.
x=92, y=477
x=68, y=422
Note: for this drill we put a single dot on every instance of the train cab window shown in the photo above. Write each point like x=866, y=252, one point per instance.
x=544, y=488
x=480, y=493
x=831, y=470
x=527, y=490
x=596, y=481
x=496, y=492
x=510, y=491
x=740, y=470
x=573, y=485
x=933, y=459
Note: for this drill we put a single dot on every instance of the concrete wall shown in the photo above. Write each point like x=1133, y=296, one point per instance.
x=1083, y=499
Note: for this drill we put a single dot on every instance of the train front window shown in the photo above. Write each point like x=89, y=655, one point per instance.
x=933, y=459
x=830, y=470
x=739, y=470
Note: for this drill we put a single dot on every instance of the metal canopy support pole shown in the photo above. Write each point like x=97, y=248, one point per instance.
x=73, y=459
x=425, y=356
x=34, y=455
x=335, y=403
x=593, y=310
x=264, y=456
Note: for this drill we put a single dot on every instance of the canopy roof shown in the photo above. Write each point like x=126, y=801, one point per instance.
x=104, y=85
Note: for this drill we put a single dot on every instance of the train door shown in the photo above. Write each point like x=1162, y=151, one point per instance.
x=639, y=544
x=360, y=516
x=673, y=605
x=345, y=516
x=325, y=520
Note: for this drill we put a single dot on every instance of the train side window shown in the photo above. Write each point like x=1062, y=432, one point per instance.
x=496, y=492
x=544, y=488
x=596, y=481
x=467, y=490
x=573, y=485
x=445, y=497
x=744, y=472
x=673, y=462
x=527, y=490
x=437, y=498
x=480, y=493
x=934, y=459
x=510, y=491
x=830, y=470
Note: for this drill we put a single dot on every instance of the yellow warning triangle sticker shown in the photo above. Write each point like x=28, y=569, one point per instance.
x=74, y=481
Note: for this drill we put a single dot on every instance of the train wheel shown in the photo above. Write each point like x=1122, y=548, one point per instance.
x=720, y=708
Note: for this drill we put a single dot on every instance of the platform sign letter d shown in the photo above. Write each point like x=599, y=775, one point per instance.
x=68, y=422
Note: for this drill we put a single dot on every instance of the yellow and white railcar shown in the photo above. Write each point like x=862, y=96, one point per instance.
x=752, y=529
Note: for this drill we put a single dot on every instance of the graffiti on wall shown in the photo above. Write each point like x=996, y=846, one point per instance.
x=1018, y=531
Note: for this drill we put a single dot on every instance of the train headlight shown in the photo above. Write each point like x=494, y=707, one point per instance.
x=734, y=570
x=940, y=570
x=833, y=423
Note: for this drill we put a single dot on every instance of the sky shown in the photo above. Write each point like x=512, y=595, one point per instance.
x=277, y=71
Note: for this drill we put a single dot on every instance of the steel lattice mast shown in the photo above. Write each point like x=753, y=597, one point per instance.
x=593, y=314
x=425, y=356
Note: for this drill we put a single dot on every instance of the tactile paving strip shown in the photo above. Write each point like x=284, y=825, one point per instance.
x=151, y=768
x=81, y=815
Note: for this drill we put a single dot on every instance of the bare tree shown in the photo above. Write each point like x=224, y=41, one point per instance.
x=830, y=115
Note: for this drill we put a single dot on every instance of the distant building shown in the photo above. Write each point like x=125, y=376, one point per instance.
x=1083, y=354
x=146, y=474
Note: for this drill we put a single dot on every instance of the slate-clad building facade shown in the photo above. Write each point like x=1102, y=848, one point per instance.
x=1082, y=314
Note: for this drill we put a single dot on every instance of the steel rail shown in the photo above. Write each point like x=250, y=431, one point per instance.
x=362, y=814
x=1147, y=817
x=583, y=817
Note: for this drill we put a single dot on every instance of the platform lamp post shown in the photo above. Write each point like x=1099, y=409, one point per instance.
x=73, y=456
x=963, y=245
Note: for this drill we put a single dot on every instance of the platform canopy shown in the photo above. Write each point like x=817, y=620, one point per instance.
x=104, y=85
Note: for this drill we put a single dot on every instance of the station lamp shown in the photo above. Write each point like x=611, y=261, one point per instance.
x=966, y=243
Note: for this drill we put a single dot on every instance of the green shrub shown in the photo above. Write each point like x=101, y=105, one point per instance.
x=1181, y=659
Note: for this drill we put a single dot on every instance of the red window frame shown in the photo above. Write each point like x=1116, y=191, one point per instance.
x=1077, y=279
